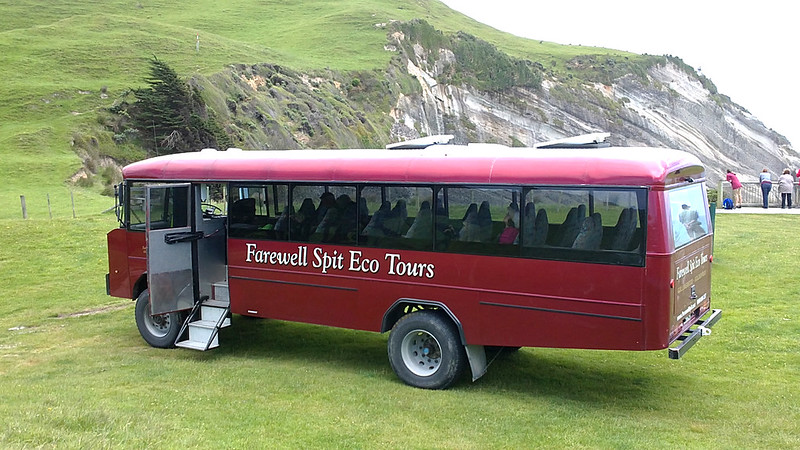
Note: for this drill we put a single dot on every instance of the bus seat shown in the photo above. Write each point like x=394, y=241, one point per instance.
x=541, y=228
x=243, y=211
x=484, y=222
x=346, y=225
x=469, y=228
x=513, y=212
x=326, y=228
x=396, y=222
x=375, y=226
x=472, y=208
x=327, y=201
x=571, y=226
x=624, y=230
x=305, y=219
x=283, y=222
x=590, y=234
x=529, y=225
x=422, y=226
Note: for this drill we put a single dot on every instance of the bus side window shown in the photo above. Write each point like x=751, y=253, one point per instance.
x=566, y=210
x=401, y=217
x=482, y=221
x=591, y=225
x=242, y=215
x=260, y=211
x=334, y=221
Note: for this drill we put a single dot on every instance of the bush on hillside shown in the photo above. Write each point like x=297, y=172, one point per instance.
x=476, y=62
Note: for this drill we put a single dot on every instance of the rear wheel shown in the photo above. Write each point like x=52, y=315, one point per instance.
x=425, y=350
x=159, y=331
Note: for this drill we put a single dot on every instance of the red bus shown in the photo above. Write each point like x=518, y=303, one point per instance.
x=458, y=251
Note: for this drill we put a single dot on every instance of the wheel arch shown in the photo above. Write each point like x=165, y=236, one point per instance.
x=403, y=306
x=139, y=286
x=476, y=355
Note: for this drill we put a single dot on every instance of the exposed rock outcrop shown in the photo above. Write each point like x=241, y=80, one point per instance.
x=426, y=91
x=669, y=108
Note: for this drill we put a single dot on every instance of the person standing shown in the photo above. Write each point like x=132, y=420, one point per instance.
x=785, y=187
x=736, y=185
x=766, y=186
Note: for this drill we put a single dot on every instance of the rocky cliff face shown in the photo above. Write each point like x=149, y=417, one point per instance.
x=421, y=93
x=668, y=108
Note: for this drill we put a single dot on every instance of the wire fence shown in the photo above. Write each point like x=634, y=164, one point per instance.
x=58, y=205
x=24, y=205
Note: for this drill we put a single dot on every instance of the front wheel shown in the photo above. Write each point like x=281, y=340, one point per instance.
x=425, y=350
x=159, y=331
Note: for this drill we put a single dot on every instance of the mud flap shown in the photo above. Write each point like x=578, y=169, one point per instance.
x=477, y=360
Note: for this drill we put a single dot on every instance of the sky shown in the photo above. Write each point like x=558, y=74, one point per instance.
x=749, y=50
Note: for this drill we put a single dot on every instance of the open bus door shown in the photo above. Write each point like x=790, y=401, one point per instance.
x=169, y=236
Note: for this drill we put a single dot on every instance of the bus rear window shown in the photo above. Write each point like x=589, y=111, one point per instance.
x=688, y=212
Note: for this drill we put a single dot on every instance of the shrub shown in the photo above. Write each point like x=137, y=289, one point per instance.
x=712, y=194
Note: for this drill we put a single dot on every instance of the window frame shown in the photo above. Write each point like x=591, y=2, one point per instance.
x=635, y=257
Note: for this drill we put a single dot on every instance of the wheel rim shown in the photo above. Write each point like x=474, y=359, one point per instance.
x=421, y=353
x=158, y=325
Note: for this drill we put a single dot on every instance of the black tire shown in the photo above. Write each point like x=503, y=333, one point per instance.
x=425, y=350
x=158, y=331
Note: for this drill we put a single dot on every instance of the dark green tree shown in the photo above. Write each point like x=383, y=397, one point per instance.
x=171, y=116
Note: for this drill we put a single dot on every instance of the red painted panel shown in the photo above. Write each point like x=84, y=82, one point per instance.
x=118, y=275
x=127, y=261
x=499, y=301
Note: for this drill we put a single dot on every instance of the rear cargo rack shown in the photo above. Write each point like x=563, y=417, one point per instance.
x=693, y=334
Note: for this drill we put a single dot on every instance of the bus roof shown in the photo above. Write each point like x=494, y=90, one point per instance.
x=475, y=163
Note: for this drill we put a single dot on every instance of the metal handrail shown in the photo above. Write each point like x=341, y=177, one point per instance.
x=751, y=194
x=190, y=317
x=215, y=331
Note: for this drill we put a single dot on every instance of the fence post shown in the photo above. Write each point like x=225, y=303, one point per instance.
x=24, y=208
x=50, y=210
x=72, y=197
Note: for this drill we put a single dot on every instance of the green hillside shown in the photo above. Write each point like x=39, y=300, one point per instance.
x=62, y=63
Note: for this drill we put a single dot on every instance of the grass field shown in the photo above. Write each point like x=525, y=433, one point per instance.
x=74, y=372
x=63, y=62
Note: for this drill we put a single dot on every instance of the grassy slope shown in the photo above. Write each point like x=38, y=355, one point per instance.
x=73, y=380
x=56, y=57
